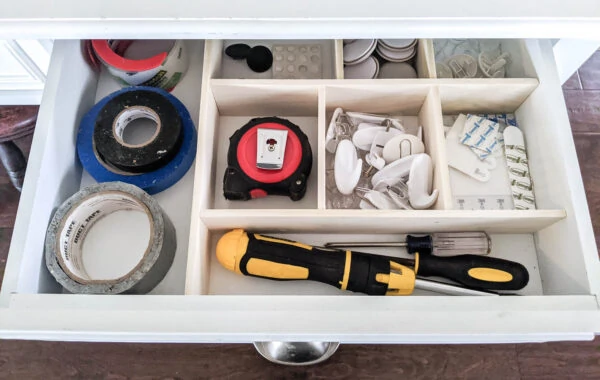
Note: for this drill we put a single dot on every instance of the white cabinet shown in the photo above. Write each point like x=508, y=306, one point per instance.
x=23, y=69
x=199, y=301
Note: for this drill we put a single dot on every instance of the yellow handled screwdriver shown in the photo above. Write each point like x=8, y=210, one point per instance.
x=279, y=259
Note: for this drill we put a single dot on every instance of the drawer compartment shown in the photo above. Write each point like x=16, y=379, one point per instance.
x=418, y=55
x=515, y=247
x=515, y=60
x=61, y=175
x=235, y=105
x=302, y=60
x=200, y=301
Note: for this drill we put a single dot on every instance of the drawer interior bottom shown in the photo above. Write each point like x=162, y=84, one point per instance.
x=516, y=247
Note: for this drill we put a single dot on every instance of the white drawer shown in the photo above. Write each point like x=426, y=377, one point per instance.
x=198, y=301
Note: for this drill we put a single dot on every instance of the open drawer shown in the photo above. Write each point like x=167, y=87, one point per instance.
x=199, y=301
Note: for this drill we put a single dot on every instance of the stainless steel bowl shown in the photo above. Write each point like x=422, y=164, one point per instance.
x=296, y=353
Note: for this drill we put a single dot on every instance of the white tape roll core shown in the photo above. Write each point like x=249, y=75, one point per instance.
x=81, y=220
x=125, y=117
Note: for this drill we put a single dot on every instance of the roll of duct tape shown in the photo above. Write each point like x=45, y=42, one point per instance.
x=163, y=70
x=154, y=181
x=149, y=155
x=76, y=217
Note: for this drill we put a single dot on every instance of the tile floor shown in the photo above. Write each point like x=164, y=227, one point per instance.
x=565, y=360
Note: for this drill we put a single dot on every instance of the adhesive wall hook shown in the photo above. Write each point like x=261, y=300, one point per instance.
x=402, y=146
x=347, y=167
x=363, y=138
x=380, y=200
x=391, y=173
x=331, y=140
x=419, y=183
x=398, y=197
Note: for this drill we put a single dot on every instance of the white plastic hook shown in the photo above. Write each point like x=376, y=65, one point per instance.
x=366, y=205
x=402, y=146
x=363, y=138
x=331, y=141
x=399, y=197
x=493, y=64
x=391, y=173
x=375, y=156
x=347, y=167
x=380, y=200
x=419, y=183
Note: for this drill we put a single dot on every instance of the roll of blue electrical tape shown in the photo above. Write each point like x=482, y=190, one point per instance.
x=154, y=181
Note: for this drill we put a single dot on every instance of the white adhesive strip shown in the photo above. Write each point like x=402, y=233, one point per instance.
x=75, y=218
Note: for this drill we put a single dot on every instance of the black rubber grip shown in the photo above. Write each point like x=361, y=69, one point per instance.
x=419, y=244
x=326, y=266
x=478, y=272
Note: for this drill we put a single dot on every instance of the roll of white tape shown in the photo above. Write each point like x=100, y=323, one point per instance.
x=76, y=217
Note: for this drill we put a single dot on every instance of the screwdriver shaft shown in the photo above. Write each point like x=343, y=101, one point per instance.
x=453, y=290
x=366, y=244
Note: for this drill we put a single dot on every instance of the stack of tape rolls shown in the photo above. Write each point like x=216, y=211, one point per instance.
x=153, y=165
x=75, y=218
x=163, y=70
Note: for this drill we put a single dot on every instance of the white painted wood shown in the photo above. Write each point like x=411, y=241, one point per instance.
x=570, y=54
x=430, y=117
x=496, y=221
x=556, y=242
x=553, y=164
x=425, y=62
x=323, y=122
x=52, y=174
x=38, y=52
x=23, y=69
x=20, y=97
x=208, y=116
x=266, y=97
x=17, y=69
x=339, y=59
x=243, y=319
x=470, y=95
x=310, y=19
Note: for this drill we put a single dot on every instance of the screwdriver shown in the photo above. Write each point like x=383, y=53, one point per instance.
x=437, y=244
x=279, y=259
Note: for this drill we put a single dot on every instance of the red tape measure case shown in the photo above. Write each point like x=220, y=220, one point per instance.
x=243, y=180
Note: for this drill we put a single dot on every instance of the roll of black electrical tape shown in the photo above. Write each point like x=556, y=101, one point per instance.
x=153, y=181
x=150, y=155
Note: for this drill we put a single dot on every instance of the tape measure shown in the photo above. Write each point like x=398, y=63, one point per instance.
x=244, y=180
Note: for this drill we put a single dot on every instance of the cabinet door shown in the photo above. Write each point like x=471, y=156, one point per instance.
x=23, y=69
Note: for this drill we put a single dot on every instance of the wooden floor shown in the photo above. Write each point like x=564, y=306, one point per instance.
x=567, y=360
